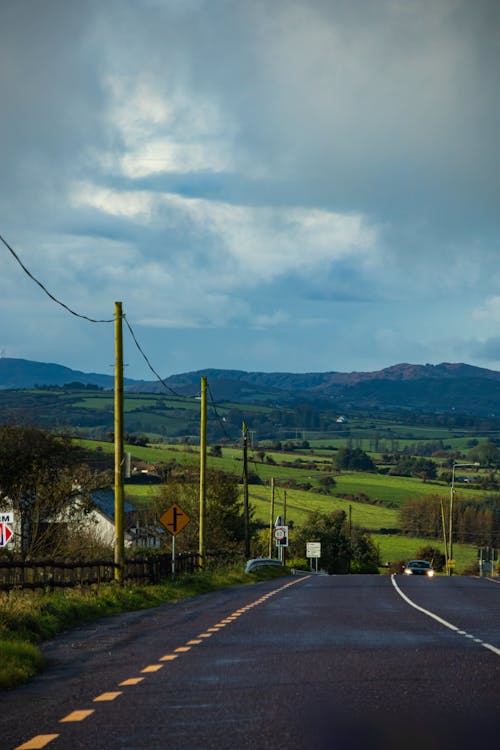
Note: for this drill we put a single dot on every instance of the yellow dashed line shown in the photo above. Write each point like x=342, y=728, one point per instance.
x=42, y=740
x=132, y=681
x=108, y=696
x=152, y=668
x=36, y=743
x=76, y=716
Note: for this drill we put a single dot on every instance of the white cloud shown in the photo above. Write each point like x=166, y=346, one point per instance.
x=261, y=243
x=327, y=166
x=127, y=204
x=161, y=129
x=489, y=311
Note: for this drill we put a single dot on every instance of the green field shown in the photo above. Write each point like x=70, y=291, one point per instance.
x=299, y=503
x=371, y=499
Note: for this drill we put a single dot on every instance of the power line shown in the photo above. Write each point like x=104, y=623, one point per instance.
x=52, y=297
x=86, y=317
x=146, y=359
x=214, y=407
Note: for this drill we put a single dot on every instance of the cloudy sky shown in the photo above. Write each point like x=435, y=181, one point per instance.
x=298, y=185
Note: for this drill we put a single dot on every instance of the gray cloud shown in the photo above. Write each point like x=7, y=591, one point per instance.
x=251, y=163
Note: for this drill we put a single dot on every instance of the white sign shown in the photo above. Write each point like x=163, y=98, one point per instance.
x=6, y=518
x=281, y=536
x=313, y=549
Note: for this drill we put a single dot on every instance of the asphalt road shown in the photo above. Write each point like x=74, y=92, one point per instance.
x=307, y=663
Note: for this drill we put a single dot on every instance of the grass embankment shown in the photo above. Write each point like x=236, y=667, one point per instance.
x=27, y=618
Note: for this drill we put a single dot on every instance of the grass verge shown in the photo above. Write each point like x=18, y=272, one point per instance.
x=27, y=618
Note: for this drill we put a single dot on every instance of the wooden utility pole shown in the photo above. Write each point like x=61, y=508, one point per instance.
x=118, y=423
x=245, y=491
x=271, y=520
x=203, y=468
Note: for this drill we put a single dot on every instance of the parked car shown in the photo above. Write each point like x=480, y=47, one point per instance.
x=261, y=562
x=418, y=568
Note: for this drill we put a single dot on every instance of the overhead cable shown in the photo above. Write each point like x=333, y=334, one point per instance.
x=214, y=407
x=146, y=359
x=52, y=297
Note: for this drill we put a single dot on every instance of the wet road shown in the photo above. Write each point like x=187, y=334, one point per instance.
x=333, y=662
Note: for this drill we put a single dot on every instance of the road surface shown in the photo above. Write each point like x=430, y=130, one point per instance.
x=303, y=663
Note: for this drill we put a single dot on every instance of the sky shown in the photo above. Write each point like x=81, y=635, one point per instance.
x=265, y=185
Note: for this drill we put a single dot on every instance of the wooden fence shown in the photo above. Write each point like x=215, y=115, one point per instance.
x=56, y=574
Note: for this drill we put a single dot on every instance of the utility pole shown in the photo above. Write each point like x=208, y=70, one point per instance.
x=245, y=490
x=203, y=469
x=444, y=536
x=283, y=549
x=271, y=520
x=451, y=561
x=118, y=424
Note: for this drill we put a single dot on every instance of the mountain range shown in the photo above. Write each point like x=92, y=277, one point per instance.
x=444, y=387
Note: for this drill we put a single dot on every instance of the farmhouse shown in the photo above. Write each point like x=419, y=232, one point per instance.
x=103, y=518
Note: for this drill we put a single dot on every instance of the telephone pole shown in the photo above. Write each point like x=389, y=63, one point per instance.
x=203, y=469
x=118, y=424
x=245, y=490
x=271, y=520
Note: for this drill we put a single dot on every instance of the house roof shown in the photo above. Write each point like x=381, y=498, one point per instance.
x=104, y=498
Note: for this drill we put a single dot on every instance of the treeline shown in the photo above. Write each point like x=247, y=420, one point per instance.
x=474, y=522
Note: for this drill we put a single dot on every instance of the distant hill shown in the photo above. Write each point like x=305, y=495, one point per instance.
x=24, y=373
x=445, y=387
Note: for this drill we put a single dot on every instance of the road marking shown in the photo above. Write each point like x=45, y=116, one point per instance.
x=107, y=696
x=76, y=716
x=441, y=621
x=132, y=681
x=38, y=742
x=152, y=668
x=42, y=740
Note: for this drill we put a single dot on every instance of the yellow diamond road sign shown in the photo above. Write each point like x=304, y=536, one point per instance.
x=174, y=519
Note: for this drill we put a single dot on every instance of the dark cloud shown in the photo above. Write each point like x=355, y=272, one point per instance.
x=383, y=112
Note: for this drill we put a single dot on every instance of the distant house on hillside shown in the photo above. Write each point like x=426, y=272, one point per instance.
x=341, y=420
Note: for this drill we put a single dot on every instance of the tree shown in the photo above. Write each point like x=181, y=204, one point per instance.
x=341, y=551
x=353, y=459
x=224, y=522
x=421, y=516
x=409, y=466
x=433, y=555
x=486, y=453
x=45, y=481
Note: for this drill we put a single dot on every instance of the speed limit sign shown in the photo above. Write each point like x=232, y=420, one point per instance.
x=281, y=536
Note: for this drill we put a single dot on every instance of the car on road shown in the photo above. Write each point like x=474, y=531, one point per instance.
x=261, y=562
x=419, y=568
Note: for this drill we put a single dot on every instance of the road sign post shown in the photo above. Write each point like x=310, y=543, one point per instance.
x=281, y=540
x=174, y=520
x=313, y=552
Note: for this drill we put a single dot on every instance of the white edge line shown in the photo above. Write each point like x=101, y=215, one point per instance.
x=437, y=618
